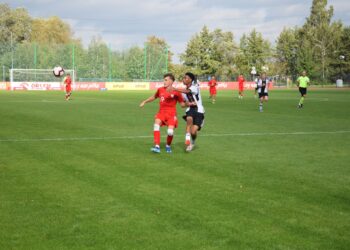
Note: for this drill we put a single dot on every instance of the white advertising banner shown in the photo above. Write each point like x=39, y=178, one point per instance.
x=36, y=86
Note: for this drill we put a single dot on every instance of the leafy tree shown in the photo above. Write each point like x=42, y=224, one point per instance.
x=287, y=51
x=339, y=61
x=158, y=57
x=50, y=31
x=98, y=59
x=191, y=57
x=344, y=51
x=242, y=65
x=210, y=53
x=254, y=51
x=258, y=50
x=14, y=23
x=322, y=36
x=224, y=52
x=134, y=62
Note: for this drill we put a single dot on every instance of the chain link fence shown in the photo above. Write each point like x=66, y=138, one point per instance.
x=98, y=62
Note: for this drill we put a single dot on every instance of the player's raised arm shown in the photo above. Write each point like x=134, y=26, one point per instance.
x=184, y=103
x=185, y=91
x=149, y=99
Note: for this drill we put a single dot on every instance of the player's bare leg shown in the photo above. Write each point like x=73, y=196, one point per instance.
x=213, y=99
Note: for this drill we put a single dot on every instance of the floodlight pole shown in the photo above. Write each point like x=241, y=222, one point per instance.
x=341, y=57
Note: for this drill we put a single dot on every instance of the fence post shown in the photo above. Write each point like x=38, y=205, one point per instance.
x=166, y=59
x=11, y=52
x=145, y=63
x=34, y=57
x=34, y=60
x=73, y=56
x=109, y=63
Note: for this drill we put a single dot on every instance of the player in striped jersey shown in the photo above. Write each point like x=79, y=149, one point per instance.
x=262, y=89
x=195, y=112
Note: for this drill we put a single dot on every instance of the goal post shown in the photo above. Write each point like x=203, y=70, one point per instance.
x=37, y=79
x=37, y=75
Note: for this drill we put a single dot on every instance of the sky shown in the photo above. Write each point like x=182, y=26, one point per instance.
x=123, y=24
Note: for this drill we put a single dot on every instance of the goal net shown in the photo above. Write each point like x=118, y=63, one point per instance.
x=37, y=79
x=37, y=75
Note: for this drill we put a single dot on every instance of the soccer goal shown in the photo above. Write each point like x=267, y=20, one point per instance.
x=37, y=79
x=37, y=75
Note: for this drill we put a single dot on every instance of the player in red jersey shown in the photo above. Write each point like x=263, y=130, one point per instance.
x=67, y=82
x=241, y=81
x=212, y=89
x=166, y=115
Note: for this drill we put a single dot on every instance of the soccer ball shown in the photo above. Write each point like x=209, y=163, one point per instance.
x=58, y=71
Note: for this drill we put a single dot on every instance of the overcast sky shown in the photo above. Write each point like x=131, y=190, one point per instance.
x=124, y=23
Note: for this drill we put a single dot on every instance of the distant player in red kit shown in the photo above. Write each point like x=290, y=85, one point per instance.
x=241, y=81
x=212, y=88
x=67, y=82
x=166, y=115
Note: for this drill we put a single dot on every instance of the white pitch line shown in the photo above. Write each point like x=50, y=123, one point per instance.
x=149, y=136
x=280, y=133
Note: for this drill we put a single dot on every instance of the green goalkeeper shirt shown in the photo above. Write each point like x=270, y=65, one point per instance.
x=303, y=81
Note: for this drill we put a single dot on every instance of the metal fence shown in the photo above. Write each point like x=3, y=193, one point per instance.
x=98, y=62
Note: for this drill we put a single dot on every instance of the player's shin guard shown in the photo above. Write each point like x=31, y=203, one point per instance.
x=170, y=137
x=260, y=106
x=188, y=139
x=156, y=134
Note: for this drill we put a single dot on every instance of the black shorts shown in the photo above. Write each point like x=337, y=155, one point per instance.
x=302, y=91
x=263, y=94
x=198, y=118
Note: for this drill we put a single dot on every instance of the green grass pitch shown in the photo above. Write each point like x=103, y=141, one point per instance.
x=80, y=174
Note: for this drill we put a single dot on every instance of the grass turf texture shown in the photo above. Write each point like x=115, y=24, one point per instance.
x=278, y=191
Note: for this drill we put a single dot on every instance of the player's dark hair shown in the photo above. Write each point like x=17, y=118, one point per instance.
x=191, y=75
x=171, y=76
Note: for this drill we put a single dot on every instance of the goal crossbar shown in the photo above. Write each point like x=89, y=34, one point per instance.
x=37, y=75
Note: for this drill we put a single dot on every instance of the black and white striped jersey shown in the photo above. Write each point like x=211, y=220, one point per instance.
x=195, y=96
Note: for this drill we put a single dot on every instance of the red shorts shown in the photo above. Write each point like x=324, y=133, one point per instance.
x=240, y=87
x=68, y=88
x=212, y=91
x=168, y=119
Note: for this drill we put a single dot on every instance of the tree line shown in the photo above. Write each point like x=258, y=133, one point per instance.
x=321, y=46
